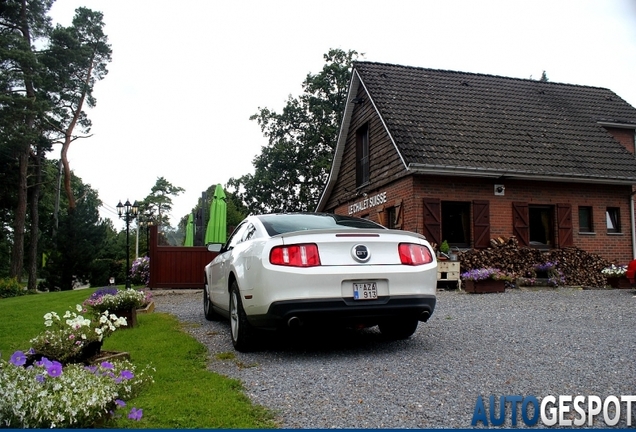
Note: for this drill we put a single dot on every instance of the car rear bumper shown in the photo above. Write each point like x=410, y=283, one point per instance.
x=344, y=311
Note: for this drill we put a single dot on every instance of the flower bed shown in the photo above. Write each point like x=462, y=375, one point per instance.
x=50, y=395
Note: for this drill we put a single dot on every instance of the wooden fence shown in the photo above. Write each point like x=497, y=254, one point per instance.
x=177, y=266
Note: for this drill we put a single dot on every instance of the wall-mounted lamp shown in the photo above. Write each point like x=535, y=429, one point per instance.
x=500, y=190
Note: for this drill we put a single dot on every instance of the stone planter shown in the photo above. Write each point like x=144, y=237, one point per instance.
x=619, y=282
x=484, y=286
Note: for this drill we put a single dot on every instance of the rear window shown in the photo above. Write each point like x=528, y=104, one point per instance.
x=283, y=223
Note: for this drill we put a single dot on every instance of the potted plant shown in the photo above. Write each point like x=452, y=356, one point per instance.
x=119, y=302
x=485, y=280
x=615, y=276
x=73, y=338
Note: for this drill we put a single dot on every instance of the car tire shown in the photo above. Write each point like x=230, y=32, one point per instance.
x=399, y=328
x=208, y=310
x=241, y=330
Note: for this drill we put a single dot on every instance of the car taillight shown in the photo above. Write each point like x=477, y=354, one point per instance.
x=300, y=255
x=414, y=254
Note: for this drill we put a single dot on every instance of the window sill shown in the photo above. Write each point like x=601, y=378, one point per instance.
x=587, y=233
x=615, y=234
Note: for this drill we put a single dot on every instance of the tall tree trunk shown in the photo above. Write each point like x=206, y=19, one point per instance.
x=17, y=253
x=35, y=222
x=68, y=138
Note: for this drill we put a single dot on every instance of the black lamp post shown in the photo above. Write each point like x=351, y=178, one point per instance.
x=149, y=223
x=128, y=213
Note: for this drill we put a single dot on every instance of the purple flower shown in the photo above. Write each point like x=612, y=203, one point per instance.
x=39, y=378
x=120, y=403
x=136, y=414
x=54, y=369
x=126, y=374
x=107, y=365
x=18, y=358
x=91, y=369
x=44, y=362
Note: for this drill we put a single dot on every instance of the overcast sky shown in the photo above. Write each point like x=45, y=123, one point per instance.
x=186, y=76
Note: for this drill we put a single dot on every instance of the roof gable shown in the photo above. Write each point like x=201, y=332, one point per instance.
x=466, y=124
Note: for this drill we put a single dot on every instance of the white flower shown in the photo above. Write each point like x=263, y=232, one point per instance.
x=78, y=308
x=48, y=316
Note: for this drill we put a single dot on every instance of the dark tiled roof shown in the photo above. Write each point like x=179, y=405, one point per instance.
x=468, y=121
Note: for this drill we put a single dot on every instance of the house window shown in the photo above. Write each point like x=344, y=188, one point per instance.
x=612, y=216
x=541, y=222
x=362, y=155
x=390, y=216
x=456, y=223
x=585, y=220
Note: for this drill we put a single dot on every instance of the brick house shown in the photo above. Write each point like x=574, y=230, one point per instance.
x=468, y=157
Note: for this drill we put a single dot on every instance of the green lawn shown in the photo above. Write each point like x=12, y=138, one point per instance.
x=185, y=394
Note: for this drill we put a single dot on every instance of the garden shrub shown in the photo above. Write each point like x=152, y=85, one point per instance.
x=10, y=287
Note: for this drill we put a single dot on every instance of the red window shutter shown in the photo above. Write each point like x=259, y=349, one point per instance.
x=520, y=222
x=432, y=220
x=481, y=224
x=564, y=225
x=399, y=216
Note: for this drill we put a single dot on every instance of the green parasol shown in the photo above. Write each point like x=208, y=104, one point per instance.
x=216, y=231
x=189, y=237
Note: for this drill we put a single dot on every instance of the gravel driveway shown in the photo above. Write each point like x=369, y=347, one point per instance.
x=521, y=342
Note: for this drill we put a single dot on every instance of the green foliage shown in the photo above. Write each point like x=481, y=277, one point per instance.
x=160, y=200
x=80, y=236
x=444, y=247
x=10, y=287
x=291, y=171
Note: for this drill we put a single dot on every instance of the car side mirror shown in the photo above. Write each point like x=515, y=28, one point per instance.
x=214, y=247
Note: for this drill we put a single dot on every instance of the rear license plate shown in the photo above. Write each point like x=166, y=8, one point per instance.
x=365, y=291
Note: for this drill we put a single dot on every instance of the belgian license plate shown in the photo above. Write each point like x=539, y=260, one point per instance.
x=365, y=291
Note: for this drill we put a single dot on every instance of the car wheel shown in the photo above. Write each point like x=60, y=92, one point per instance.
x=399, y=328
x=208, y=310
x=241, y=330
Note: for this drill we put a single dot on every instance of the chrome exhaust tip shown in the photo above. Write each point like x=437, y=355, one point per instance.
x=424, y=316
x=294, y=322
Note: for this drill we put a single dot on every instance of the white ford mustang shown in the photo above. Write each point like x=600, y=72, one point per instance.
x=294, y=270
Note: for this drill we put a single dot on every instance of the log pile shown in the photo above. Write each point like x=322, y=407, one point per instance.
x=580, y=268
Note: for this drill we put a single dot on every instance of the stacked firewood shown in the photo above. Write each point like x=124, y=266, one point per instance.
x=578, y=267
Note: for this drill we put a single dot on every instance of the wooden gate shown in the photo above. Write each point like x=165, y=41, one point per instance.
x=177, y=266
